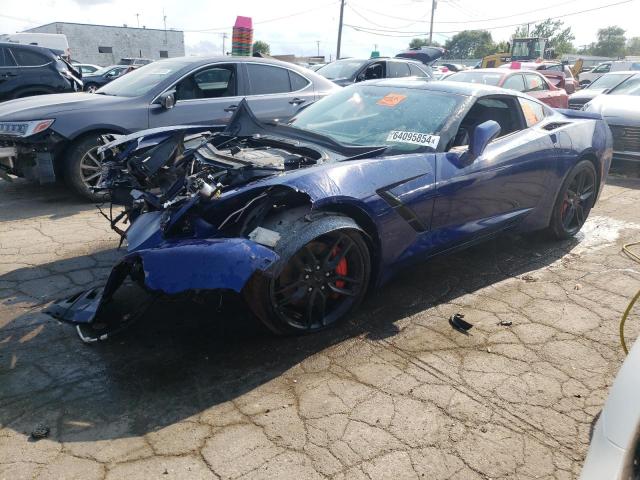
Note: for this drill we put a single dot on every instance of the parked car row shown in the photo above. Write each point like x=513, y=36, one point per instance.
x=55, y=137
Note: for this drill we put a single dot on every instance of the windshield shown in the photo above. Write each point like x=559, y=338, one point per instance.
x=341, y=69
x=608, y=80
x=406, y=119
x=631, y=86
x=487, y=78
x=143, y=79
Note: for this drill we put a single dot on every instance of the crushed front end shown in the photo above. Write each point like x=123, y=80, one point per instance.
x=189, y=204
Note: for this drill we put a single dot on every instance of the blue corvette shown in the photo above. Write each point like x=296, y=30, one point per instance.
x=304, y=219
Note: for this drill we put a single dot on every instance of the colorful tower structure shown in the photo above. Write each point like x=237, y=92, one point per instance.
x=242, y=39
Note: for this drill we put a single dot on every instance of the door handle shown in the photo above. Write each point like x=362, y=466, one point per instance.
x=297, y=101
x=231, y=108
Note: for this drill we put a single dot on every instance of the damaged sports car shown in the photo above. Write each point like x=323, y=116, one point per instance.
x=304, y=219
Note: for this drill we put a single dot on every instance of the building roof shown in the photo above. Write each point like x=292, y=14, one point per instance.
x=106, y=26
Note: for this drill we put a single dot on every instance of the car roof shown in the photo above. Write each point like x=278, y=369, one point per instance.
x=23, y=46
x=459, y=88
x=375, y=59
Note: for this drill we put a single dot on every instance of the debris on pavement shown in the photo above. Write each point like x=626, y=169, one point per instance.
x=458, y=323
x=41, y=431
x=505, y=323
x=578, y=286
x=529, y=278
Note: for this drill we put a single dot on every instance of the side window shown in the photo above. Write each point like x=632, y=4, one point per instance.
x=604, y=68
x=514, y=82
x=265, y=79
x=535, y=83
x=6, y=60
x=417, y=71
x=374, y=71
x=501, y=109
x=397, y=69
x=298, y=82
x=554, y=68
x=27, y=58
x=533, y=111
x=213, y=82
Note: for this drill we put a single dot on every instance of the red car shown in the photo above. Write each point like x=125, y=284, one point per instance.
x=558, y=73
x=527, y=81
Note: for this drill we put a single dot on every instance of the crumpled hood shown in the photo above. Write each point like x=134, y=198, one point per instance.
x=617, y=109
x=50, y=106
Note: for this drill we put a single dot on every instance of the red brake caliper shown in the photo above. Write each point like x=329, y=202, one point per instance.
x=341, y=268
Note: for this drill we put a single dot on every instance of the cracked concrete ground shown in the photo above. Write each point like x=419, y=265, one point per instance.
x=395, y=393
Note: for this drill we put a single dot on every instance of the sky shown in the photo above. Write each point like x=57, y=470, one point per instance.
x=296, y=27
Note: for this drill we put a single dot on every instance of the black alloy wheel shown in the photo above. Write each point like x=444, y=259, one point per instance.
x=575, y=200
x=323, y=274
x=321, y=282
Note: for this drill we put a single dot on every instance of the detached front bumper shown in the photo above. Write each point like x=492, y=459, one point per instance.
x=33, y=157
x=170, y=269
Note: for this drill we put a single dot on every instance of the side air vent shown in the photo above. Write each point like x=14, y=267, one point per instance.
x=554, y=125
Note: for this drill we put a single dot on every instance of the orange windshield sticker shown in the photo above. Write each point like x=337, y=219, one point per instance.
x=391, y=100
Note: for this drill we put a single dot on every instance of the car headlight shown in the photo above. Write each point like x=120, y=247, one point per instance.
x=24, y=129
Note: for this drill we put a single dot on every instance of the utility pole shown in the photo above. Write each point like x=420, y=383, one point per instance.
x=224, y=37
x=318, y=43
x=138, y=19
x=164, y=18
x=340, y=29
x=434, y=4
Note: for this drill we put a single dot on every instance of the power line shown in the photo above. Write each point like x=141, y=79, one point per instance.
x=460, y=7
x=383, y=32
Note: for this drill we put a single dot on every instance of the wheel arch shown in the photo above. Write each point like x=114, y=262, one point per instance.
x=80, y=136
x=364, y=220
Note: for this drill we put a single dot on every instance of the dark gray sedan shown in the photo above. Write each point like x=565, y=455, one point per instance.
x=53, y=137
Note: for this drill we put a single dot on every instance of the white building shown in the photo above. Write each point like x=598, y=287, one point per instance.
x=105, y=45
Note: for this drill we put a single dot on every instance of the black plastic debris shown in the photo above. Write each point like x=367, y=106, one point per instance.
x=41, y=431
x=458, y=323
x=505, y=323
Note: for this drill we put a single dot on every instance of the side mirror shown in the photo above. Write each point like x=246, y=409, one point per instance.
x=361, y=77
x=168, y=99
x=478, y=141
x=483, y=134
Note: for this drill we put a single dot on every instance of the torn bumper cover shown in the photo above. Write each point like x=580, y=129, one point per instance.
x=176, y=267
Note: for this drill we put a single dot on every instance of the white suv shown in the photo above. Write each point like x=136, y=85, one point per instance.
x=587, y=77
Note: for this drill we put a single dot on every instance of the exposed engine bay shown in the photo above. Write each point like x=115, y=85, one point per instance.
x=189, y=169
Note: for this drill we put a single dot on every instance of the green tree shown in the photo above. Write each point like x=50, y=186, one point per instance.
x=560, y=39
x=422, y=42
x=261, y=47
x=633, y=46
x=611, y=42
x=470, y=44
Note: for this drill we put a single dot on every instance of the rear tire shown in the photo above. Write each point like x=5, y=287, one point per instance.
x=575, y=200
x=318, y=280
x=82, y=168
x=91, y=88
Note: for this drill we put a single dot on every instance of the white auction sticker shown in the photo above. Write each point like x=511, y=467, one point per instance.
x=414, y=138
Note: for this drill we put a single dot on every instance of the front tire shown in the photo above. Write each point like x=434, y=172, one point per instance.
x=318, y=281
x=83, y=169
x=575, y=200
